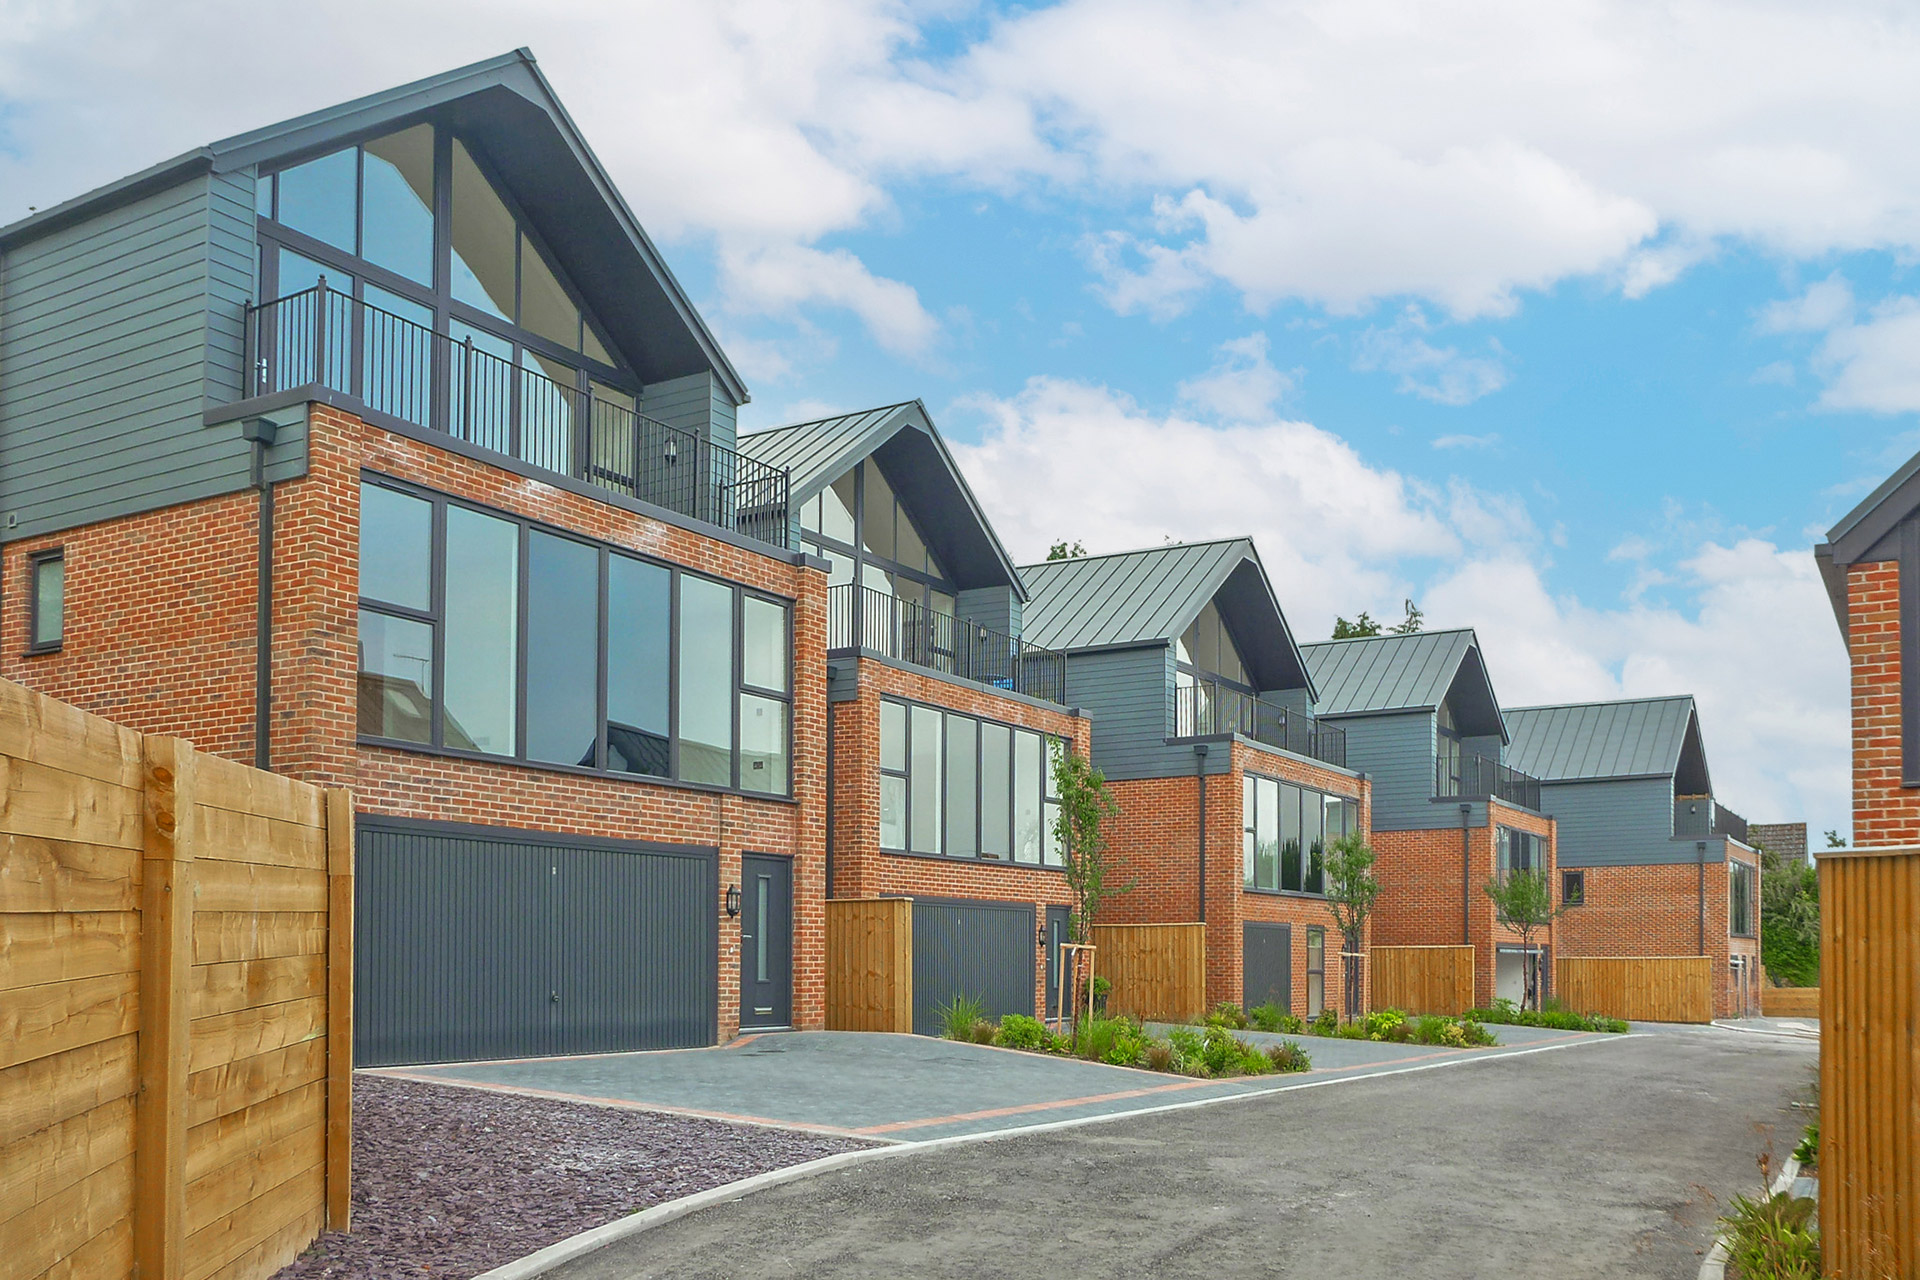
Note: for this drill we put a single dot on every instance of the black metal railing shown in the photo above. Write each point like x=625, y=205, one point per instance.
x=1701, y=817
x=471, y=390
x=1206, y=707
x=1471, y=775
x=879, y=622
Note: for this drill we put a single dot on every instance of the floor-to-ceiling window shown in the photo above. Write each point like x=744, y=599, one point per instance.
x=958, y=786
x=1212, y=689
x=868, y=536
x=1286, y=831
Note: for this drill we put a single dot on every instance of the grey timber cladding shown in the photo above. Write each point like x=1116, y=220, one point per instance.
x=1623, y=822
x=1386, y=673
x=1124, y=693
x=1397, y=752
x=697, y=403
x=1600, y=739
x=115, y=334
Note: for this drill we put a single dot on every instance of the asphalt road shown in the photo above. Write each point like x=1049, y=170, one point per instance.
x=1601, y=1159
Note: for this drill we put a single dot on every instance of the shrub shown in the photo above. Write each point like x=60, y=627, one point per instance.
x=1381, y=1023
x=1225, y=1054
x=983, y=1032
x=1096, y=1037
x=1161, y=1056
x=1187, y=1045
x=1773, y=1237
x=1271, y=1017
x=1227, y=1014
x=958, y=1015
x=1807, y=1150
x=1506, y=1013
x=1288, y=1056
x=1325, y=1024
x=1018, y=1031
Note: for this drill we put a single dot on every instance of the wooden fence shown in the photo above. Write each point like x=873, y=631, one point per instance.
x=870, y=964
x=175, y=1004
x=1423, y=979
x=1642, y=988
x=1158, y=971
x=1789, y=1002
x=1869, y=1033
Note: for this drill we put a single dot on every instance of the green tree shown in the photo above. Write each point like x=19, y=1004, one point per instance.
x=1085, y=805
x=1524, y=902
x=1066, y=551
x=1412, y=623
x=1351, y=892
x=1790, y=917
x=1835, y=840
x=1362, y=626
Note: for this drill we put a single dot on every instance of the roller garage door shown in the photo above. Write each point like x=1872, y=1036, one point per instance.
x=980, y=949
x=478, y=942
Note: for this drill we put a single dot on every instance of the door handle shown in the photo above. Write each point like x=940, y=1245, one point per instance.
x=554, y=996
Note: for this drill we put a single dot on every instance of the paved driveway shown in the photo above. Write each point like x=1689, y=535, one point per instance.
x=913, y=1088
x=1607, y=1160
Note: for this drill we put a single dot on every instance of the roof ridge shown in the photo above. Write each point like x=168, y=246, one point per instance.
x=1391, y=635
x=831, y=417
x=1601, y=702
x=1166, y=546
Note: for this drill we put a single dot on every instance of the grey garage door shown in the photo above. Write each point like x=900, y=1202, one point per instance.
x=480, y=943
x=1266, y=965
x=978, y=949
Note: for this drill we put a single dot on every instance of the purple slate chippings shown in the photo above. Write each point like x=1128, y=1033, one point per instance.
x=451, y=1182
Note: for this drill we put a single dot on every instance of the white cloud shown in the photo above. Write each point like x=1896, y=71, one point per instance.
x=784, y=277
x=1825, y=305
x=1440, y=374
x=1486, y=441
x=1874, y=364
x=1242, y=386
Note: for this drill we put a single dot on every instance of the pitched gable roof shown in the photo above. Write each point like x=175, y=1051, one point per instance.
x=507, y=106
x=1400, y=673
x=1868, y=532
x=1153, y=595
x=1644, y=737
x=902, y=439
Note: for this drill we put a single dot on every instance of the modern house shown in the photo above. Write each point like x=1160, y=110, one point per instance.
x=381, y=448
x=1651, y=863
x=1423, y=723
x=1229, y=789
x=942, y=719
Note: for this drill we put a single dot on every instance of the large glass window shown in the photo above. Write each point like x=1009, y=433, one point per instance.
x=397, y=203
x=962, y=787
x=318, y=198
x=1206, y=650
x=454, y=592
x=1316, y=970
x=47, y=606
x=1740, y=879
x=1515, y=850
x=1286, y=831
x=860, y=525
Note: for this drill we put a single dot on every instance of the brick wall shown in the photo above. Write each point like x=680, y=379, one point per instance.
x=1787, y=840
x=160, y=636
x=861, y=869
x=1884, y=812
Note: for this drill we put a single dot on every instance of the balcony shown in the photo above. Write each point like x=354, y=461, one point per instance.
x=407, y=374
x=863, y=619
x=1479, y=778
x=1207, y=707
x=1703, y=817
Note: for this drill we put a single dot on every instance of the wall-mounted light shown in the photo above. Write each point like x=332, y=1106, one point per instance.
x=1040, y=937
x=733, y=901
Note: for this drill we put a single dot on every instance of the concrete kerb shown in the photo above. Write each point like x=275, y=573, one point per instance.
x=544, y=1260
x=1714, y=1265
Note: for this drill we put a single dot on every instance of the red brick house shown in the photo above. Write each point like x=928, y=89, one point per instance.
x=942, y=718
x=1651, y=863
x=1229, y=789
x=1449, y=814
x=380, y=447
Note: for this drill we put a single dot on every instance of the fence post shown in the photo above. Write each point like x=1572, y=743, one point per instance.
x=339, y=1008
x=166, y=958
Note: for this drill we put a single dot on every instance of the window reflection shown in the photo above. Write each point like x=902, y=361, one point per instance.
x=397, y=203
x=763, y=745
x=317, y=198
x=396, y=547
x=639, y=615
x=482, y=606
x=396, y=678
x=706, y=681
x=563, y=649
x=483, y=234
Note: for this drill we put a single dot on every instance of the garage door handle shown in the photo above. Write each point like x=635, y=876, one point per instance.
x=554, y=996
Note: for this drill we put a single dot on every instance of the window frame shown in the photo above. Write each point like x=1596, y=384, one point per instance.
x=435, y=618
x=856, y=554
x=1503, y=844
x=1576, y=880
x=1349, y=807
x=1048, y=803
x=36, y=561
x=1316, y=989
x=1742, y=888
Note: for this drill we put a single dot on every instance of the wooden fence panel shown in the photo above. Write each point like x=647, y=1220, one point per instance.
x=1158, y=971
x=1789, y=1002
x=1640, y=988
x=175, y=996
x=1869, y=1038
x=1422, y=979
x=870, y=964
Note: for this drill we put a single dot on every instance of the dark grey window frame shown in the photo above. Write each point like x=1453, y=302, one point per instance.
x=1201, y=673
x=35, y=562
x=1573, y=887
x=1743, y=889
x=1320, y=932
x=435, y=617
x=1246, y=829
x=1536, y=848
x=438, y=296
x=1049, y=805
x=856, y=554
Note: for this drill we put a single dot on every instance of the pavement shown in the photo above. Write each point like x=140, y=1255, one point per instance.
x=901, y=1088
x=1612, y=1158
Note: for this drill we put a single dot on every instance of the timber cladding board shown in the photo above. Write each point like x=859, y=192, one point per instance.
x=1638, y=988
x=1158, y=971
x=167, y=991
x=1423, y=979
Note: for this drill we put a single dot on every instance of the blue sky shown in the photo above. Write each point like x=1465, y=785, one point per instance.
x=1576, y=324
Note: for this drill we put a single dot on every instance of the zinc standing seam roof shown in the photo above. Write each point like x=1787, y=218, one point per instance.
x=819, y=452
x=1131, y=597
x=1386, y=673
x=1599, y=739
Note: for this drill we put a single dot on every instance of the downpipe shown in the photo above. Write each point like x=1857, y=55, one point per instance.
x=260, y=433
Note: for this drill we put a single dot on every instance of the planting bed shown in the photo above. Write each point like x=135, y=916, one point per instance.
x=450, y=1182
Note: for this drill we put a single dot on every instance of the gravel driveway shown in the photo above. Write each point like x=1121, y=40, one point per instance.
x=450, y=1182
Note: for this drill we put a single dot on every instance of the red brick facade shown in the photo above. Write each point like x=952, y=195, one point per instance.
x=1884, y=811
x=159, y=636
x=1429, y=899
x=1657, y=911
x=1155, y=844
x=861, y=869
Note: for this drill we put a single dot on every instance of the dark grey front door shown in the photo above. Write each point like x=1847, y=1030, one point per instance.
x=1266, y=974
x=766, y=941
x=1058, y=919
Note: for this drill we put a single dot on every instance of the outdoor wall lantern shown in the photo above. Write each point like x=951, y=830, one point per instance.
x=733, y=901
x=1040, y=937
